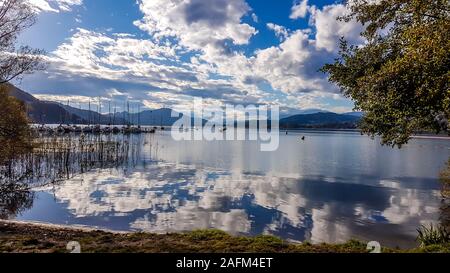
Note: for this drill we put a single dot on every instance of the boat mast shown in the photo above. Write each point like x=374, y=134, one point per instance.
x=90, y=117
x=81, y=119
x=114, y=117
x=100, y=111
x=68, y=114
x=109, y=111
x=124, y=113
x=128, y=110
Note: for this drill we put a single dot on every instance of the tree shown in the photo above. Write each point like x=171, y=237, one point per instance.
x=15, y=133
x=400, y=76
x=14, y=199
x=16, y=16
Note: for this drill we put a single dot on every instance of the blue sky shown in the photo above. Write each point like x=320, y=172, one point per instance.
x=161, y=53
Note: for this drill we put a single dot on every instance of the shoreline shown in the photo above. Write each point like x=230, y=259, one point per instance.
x=35, y=237
x=44, y=225
x=301, y=129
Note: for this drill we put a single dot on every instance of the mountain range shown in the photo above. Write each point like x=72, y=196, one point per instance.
x=286, y=112
x=47, y=112
x=43, y=111
x=321, y=120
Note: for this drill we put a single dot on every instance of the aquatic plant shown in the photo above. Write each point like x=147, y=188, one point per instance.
x=57, y=158
x=433, y=235
x=445, y=207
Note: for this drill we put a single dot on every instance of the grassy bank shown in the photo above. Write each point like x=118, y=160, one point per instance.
x=19, y=237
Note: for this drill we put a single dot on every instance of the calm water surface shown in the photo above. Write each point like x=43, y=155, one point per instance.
x=331, y=188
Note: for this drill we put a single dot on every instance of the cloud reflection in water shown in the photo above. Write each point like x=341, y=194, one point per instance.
x=338, y=187
x=164, y=197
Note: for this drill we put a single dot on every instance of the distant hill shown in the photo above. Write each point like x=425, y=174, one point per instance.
x=21, y=95
x=320, y=120
x=159, y=117
x=56, y=113
x=355, y=114
x=286, y=112
x=43, y=111
x=94, y=117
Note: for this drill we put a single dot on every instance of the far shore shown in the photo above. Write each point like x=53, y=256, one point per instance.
x=24, y=237
x=425, y=135
x=431, y=137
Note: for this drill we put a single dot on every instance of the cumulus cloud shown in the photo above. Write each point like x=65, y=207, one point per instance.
x=97, y=62
x=196, y=23
x=195, y=50
x=95, y=54
x=292, y=66
x=330, y=30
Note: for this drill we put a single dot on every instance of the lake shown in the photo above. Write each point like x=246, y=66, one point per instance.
x=332, y=187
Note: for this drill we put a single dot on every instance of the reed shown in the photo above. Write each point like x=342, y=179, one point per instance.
x=433, y=235
x=56, y=158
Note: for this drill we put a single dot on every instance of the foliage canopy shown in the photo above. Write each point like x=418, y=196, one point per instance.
x=400, y=76
x=15, y=133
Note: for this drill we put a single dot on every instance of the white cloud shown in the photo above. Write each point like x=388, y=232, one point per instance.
x=280, y=31
x=143, y=63
x=299, y=10
x=195, y=51
x=94, y=53
x=196, y=23
x=55, y=5
x=291, y=67
x=330, y=30
x=64, y=99
x=255, y=18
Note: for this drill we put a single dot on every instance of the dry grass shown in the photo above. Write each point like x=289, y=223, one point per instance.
x=15, y=237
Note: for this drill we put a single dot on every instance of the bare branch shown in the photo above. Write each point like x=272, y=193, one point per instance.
x=16, y=16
